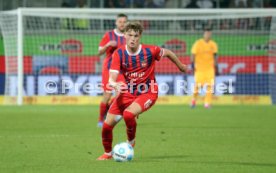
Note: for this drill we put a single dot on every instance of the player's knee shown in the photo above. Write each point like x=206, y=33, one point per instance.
x=128, y=116
x=111, y=120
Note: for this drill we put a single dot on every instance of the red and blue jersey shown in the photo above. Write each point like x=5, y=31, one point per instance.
x=112, y=35
x=139, y=67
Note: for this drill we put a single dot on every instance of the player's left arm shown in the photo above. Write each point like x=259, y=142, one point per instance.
x=194, y=51
x=216, y=63
x=216, y=58
x=169, y=54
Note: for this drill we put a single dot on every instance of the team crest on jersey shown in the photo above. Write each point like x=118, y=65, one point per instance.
x=143, y=63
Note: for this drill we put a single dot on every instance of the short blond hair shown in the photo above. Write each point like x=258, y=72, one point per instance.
x=135, y=26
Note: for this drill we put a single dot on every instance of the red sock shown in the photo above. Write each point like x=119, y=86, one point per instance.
x=131, y=125
x=107, y=137
x=103, y=111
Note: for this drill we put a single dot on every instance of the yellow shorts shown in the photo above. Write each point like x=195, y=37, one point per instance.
x=205, y=77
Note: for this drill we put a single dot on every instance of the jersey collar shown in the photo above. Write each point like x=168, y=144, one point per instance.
x=205, y=41
x=136, y=53
x=117, y=33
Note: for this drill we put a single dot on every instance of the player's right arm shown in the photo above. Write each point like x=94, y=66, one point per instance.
x=114, y=73
x=105, y=43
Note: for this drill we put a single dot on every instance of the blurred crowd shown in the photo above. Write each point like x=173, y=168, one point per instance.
x=189, y=3
x=172, y=3
x=261, y=23
x=13, y=4
x=226, y=24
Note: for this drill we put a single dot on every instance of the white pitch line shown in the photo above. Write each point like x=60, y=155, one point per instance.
x=41, y=136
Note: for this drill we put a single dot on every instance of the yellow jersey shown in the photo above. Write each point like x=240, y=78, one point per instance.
x=204, y=55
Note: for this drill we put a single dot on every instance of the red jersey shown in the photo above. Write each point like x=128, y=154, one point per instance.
x=112, y=35
x=137, y=68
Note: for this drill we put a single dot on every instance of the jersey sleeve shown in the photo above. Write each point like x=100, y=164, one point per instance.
x=194, y=48
x=116, y=63
x=215, y=48
x=158, y=52
x=104, y=41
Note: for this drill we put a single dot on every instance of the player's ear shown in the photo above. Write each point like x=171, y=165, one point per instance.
x=140, y=35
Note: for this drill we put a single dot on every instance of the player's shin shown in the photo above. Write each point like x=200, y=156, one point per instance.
x=195, y=94
x=208, y=97
x=107, y=137
x=130, y=125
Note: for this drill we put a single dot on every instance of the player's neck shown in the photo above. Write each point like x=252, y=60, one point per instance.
x=118, y=32
x=207, y=40
x=133, y=51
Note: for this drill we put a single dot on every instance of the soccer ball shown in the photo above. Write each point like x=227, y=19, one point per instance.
x=123, y=152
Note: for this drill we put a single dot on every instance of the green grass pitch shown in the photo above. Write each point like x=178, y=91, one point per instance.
x=170, y=139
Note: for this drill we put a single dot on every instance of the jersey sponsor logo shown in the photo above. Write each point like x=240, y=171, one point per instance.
x=135, y=74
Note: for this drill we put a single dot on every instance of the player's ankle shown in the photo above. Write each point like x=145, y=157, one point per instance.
x=108, y=153
x=207, y=105
x=193, y=102
x=131, y=142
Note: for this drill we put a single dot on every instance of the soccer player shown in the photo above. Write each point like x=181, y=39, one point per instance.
x=137, y=62
x=204, y=63
x=109, y=43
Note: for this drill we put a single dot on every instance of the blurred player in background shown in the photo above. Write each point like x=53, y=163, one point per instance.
x=137, y=63
x=204, y=64
x=109, y=43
